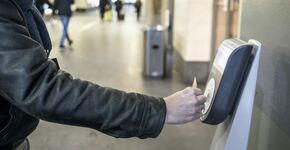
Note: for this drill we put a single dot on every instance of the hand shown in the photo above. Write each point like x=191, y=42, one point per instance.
x=54, y=16
x=184, y=106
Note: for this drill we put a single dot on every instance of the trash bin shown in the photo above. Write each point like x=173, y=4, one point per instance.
x=154, y=52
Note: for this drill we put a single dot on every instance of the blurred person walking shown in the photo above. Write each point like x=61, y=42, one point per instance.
x=103, y=4
x=119, y=7
x=108, y=16
x=138, y=6
x=63, y=9
x=40, y=5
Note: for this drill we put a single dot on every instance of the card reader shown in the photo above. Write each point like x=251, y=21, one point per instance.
x=225, y=81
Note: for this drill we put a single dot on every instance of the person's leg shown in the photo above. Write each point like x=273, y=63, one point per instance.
x=138, y=14
x=67, y=33
x=63, y=20
x=102, y=13
x=118, y=15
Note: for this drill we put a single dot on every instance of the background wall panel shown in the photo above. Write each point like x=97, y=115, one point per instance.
x=268, y=21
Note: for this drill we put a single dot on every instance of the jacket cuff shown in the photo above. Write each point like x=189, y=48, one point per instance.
x=153, y=119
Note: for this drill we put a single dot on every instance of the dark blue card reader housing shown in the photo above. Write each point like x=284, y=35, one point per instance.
x=229, y=70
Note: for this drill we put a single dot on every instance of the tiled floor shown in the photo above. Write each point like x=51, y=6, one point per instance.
x=110, y=54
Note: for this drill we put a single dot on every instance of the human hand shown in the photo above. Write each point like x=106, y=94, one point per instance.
x=54, y=16
x=184, y=106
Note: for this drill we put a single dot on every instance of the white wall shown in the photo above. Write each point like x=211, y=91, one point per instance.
x=193, y=29
x=84, y=4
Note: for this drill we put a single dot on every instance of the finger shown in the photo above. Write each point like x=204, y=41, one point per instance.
x=197, y=91
x=195, y=104
x=201, y=99
x=195, y=116
x=198, y=115
x=194, y=110
x=188, y=90
x=200, y=108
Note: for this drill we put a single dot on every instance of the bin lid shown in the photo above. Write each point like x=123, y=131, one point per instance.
x=155, y=28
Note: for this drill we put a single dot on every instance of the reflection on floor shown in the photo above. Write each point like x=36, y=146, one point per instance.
x=110, y=54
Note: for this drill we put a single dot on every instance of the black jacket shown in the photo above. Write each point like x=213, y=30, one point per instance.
x=63, y=7
x=119, y=5
x=32, y=88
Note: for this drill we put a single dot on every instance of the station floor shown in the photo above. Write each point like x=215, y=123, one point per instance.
x=110, y=54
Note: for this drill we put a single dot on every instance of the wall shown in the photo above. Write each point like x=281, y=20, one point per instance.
x=193, y=27
x=86, y=4
x=268, y=21
x=153, y=9
x=192, y=37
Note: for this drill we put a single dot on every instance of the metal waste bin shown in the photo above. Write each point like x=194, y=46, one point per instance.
x=154, y=52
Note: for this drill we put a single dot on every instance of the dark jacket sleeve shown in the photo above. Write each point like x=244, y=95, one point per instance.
x=32, y=82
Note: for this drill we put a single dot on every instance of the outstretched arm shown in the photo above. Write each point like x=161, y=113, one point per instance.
x=32, y=82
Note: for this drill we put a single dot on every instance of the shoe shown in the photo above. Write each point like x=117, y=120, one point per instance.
x=70, y=42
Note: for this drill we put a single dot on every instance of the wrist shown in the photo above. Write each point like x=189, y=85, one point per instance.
x=166, y=110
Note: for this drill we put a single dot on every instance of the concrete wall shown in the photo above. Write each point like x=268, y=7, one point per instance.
x=86, y=4
x=153, y=10
x=269, y=22
x=193, y=29
x=156, y=12
x=192, y=37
